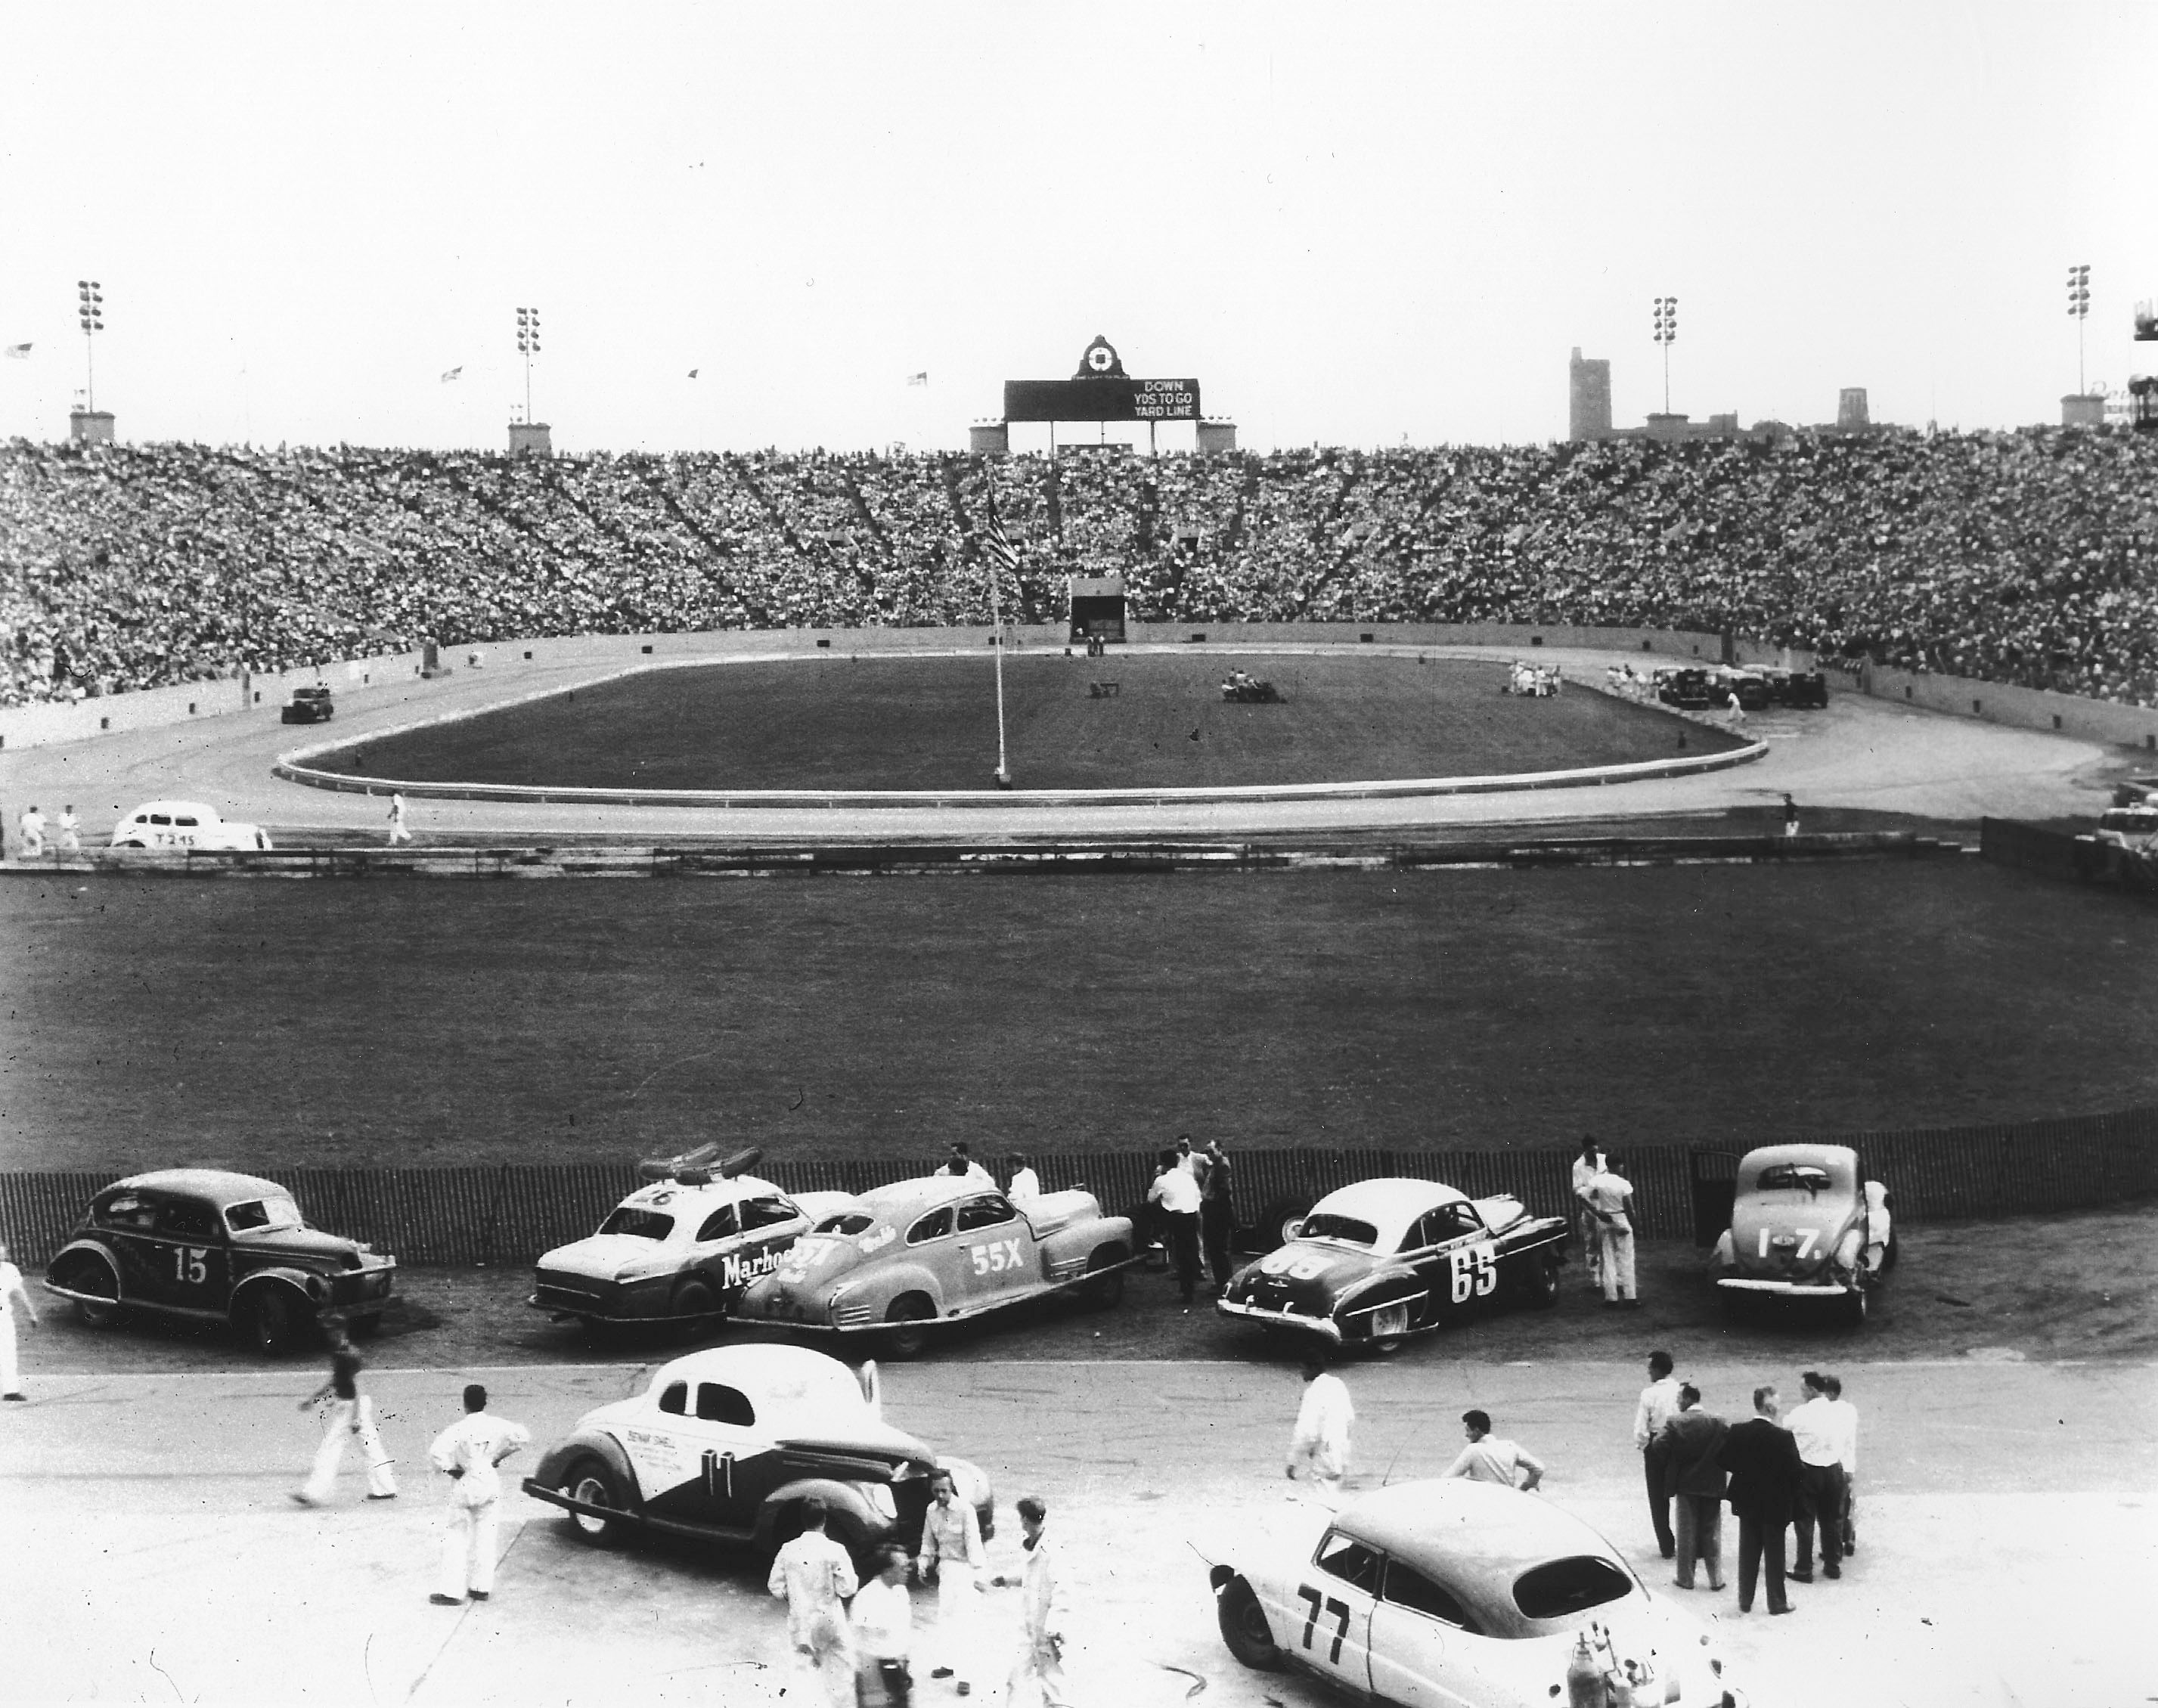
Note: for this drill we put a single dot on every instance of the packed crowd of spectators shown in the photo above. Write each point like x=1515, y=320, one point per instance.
x=2029, y=557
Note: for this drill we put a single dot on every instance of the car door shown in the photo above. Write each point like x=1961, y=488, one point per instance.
x=1330, y=1623
x=126, y=1220
x=996, y=1250
x=701, y=1459
x=1423, y=1642
x=1465, y=1261
x=770, y=1223
x=188, y=1247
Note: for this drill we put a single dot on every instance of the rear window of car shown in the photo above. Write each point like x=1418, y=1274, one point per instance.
x=932, y=1227
x=186, y=819
x=1351, y=1560
x=718, y=1403
x=255, y=1214
x=766, y=1213
x=1560, y=1589
x=984, y=1213
x=1322, y=1225
x=1794, y=1177
x=638, y=1224
x=848, y=1222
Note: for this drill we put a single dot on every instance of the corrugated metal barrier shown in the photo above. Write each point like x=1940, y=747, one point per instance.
x=506, y=1215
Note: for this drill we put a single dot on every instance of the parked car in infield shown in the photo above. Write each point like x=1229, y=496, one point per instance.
x=1450, y=1593
x=205, y=1244
x=1380, y=1261
x=1805, y=1223
x=185, y=824
x=903, y=1257
x=310, y=704
x=679, y=1249
x=726, y=1444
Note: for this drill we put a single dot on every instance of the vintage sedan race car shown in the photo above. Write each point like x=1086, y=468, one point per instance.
x=1377, y=1261
x=680, y=1250
x=1455, y=1592
x=185, y=824
x=1805, y=1223
x=310, y=704
x=727, y=1443
x=204, y=1243
x=903, y=1257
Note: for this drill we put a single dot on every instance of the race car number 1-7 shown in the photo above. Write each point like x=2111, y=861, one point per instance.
x=1475, y=1272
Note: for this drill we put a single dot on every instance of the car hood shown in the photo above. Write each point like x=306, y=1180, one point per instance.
x=296, y=1242
x=600, y=1257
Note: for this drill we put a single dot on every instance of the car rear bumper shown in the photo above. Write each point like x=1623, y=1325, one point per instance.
x=1791, y=1289
x=1325, y=1327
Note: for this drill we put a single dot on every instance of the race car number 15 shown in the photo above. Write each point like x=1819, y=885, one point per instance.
x=189, y=1265
x=1475, y=1272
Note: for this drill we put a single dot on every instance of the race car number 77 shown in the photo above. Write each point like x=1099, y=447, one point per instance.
x=1475, y=1271
x=1339, y=1609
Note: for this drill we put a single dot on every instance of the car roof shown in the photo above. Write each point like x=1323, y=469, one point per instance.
x=220, y=1185
x=714, y=1192
x=1449, y=1522
x=904, y=1198
x=1831, y=1157
x=762, y=1367
x=197, y=807
x=1389, y=1203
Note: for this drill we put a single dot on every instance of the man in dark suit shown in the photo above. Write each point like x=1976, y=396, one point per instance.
x=1765, y=1473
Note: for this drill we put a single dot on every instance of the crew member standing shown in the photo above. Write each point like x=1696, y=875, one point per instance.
x=11, y=1291
x=884, y=1628
x=952, y=1560
x=1846, y=1417
x=1609, y=1195
x=1042, y=1609
x=1492, y=1459
x=1586, y=1167
x=1658, y=1405
x=1818, y=1429
x=1320, y=1441
x=1176, y=1193
x=32, y=825
x=1765, y=1467
x=71, y=830
x=815, y=1576
x=1790, y=816
x=1025, y=1184
x=470, y=1451
x=1691, y=1442
x=351, y=1413
x=1217, y=1214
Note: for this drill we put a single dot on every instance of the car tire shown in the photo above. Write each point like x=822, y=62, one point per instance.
x=590, y=1481
x=365, y=1328
x=906, y=1330
x=695, y=1304
x=1103, y=1290
x=105, y=1311
x=1386, y=1345
x=1244, y=1628
x=1271, y=1231
x=1853, y=1305
x=1539, y=1280
x=269, y=1319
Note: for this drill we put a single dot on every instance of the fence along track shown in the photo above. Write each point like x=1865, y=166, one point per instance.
x=505, y=1215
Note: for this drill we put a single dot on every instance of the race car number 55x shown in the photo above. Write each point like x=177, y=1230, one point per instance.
x=998, y=1255
x=1475, y=1272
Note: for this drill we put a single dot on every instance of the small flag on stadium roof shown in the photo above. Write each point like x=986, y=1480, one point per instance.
x=921, y=379
x=995, y=540
x=19, y=352
x=693, y=373
x=451, y=373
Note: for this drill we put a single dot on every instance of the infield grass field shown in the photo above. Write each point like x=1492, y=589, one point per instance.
x=930, y=723
x=153, y=1021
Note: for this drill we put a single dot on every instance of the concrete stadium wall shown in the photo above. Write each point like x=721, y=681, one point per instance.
x=506, y=1216
x=2019, y=708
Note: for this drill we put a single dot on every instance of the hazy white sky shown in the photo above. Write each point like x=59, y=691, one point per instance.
x=1350, y=224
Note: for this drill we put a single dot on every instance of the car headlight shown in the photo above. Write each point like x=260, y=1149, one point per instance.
x=880, y=1498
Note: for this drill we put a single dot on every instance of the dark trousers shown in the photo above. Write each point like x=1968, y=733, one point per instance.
x=1761, y=1539
x=1655, y=1466
x=897, y=1681
x=1699, y=1537
x=1217, y=1222
x=1820, y=1501
x=1184, y=1250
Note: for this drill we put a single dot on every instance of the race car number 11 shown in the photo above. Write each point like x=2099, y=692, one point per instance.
x=1475, y=1272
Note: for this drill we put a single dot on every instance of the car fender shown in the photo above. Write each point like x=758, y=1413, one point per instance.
x=95, y=1249
x=1388, y=1282
x=847, y=1504
x=589, y=1444
x=878, y=1286
x=1082, y=1239
x=312, y=1288
x=1724, y=1257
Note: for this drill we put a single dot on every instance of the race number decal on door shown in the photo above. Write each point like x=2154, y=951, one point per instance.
x=1336, y=1610
x=995, y=1257
x=1475, y=1271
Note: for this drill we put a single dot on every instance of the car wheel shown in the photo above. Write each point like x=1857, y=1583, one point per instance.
x=270, y=1319
x=1271, y=1230
x=104, y=1311
x=695, y=1304
x=1386, y=1345
x=907, y=1330
x=590, y=1481
x=1854, y=1305
x=365, y=1328
x=1104, y=1291
x=1539, y=1280
x=1244, y=1627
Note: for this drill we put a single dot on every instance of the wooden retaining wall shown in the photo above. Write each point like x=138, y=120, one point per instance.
x=506, y=1215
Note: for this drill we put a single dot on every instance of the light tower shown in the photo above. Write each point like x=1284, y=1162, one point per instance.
x=2079, y=311
x=1667, y=334
x=88, y=425
x=529, y=437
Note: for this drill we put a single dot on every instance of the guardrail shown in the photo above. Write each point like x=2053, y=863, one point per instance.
x=506, y=1215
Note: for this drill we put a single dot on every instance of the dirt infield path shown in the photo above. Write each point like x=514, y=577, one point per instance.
x=1857, y=754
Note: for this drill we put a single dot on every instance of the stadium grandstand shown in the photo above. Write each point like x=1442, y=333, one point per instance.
x=2029, y=557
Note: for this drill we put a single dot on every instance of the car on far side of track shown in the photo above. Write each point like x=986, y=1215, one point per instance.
x=680, y=1250
x=1802, y=690
x=205, y=1244
x=310, y=704
x=1805, y=1223
x=1448, y=1592
x=728, y=1444
x=903, y=1257
x=183, y=825
x=1380, y=1261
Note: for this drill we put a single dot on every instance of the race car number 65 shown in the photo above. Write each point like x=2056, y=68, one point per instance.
x=1475, y=1272
x=997, y=1254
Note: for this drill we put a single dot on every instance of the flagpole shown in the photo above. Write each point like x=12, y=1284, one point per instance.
x=997, y=640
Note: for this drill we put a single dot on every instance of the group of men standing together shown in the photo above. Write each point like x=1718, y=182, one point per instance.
x=1190, y=1197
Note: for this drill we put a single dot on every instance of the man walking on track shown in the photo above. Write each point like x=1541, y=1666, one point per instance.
x=1320, y=1444
x=816, y=1579
x=351, y=1413
x=12, y=1291
x=1042, y=1608
x=469, y=1452
x=398, y=830
x=952, y=1559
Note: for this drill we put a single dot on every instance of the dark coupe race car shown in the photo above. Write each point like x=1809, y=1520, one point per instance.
x=310, y=704
x=1376, y=1262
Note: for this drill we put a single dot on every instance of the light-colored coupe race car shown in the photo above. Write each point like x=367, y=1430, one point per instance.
x=1805, y=1223
x=1455, y=1594
x=183, y=825
x=902, y=1258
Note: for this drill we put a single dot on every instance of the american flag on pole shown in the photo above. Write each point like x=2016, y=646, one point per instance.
x=995, y=541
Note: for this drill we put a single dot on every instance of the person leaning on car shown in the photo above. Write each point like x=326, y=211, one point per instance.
x=1694, y=1484
x=1176, y=1194
x=1217, y=1214
x=1490, y=1458
x=1765, y=1468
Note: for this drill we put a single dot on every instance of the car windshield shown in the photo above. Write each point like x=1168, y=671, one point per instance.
x=638, y=1224
x=1561, y=1589
x=258, y=1214
x=1325, y=1224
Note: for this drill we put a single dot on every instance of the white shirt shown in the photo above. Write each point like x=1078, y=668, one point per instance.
x=815, y=1576
x=1847, y=1441
x=1659, y=1404
x=471, y=1449
x=1494, y=1459
x=1025, y=1183
x=976, y=1174
x=1817, y=1430
x=11, y=1289
x=1585, y=1173
x=1321, y=1439
x=884, y=1620
x=1608, y=1193
x=1175, y=1191
x=1041, y=1596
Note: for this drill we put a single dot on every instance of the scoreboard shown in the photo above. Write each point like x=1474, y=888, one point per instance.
x=1100, y=391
